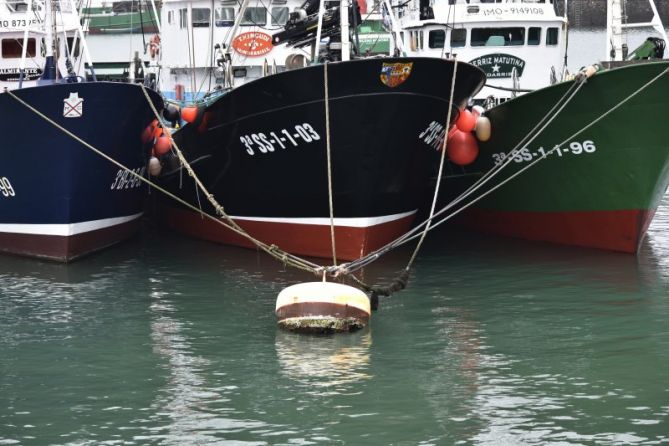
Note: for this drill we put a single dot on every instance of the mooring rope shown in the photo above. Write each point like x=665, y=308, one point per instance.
x=271, y=249
x=411, y=235
x=401, y=281
x=327, y=145
x=556, y=147
x=442, y=159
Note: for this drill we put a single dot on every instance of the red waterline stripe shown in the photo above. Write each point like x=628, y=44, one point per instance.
x=301, y=239
x=611, y=230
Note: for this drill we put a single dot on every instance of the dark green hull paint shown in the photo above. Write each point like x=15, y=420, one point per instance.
x=628, y=170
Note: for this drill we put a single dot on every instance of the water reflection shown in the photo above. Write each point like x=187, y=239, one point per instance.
x=195, y=408
x=325, y=365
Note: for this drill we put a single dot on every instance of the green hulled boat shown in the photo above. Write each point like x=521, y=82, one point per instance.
x=601, y=187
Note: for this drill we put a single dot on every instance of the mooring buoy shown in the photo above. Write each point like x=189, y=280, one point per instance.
x=322, y=307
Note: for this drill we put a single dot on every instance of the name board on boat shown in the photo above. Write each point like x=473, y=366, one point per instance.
x=13, y=74
x=253, y=44
x=513, y=10
x=499, y=65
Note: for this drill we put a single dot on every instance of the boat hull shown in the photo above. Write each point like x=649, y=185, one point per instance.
x=59, y=199
x=262, y=151
x=602, y=187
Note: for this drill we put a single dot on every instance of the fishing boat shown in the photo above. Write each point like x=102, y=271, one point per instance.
x=274, y=149
x=58, y=199
x=567, y=161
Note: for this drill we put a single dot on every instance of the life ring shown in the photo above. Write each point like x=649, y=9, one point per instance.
x=154, y=46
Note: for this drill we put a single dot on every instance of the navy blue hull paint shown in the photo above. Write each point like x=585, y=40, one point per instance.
x=56, y=179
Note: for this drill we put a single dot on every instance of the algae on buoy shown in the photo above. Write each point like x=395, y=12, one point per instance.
x=322, y=307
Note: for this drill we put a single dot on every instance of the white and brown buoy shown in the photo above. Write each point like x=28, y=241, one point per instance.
x=322, y=307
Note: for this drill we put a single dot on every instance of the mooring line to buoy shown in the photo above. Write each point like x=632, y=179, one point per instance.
x=400, y=282
x=411, y=235
x=271, y=249
x=329, y=156
x=556, y=147
x=229, y=223
x=442, y=159
x=533, y=134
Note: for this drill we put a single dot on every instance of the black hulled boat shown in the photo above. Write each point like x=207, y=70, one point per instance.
x=261, y=150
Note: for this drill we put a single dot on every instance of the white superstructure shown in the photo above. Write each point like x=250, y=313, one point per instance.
x=521, y=44
x=25, y=43
x=199, y=53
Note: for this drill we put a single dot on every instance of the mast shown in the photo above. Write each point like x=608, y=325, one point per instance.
x=615, y=37
x=24, y=50
x=319, y=27
x=83, y=43
x=50, y=69
x=614, y=31
x=566, y=36
x=345, y=38
x=394, y=28
x=156, y=16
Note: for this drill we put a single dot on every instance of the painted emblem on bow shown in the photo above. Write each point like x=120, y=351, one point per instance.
x=74, y=106
x=394, y=74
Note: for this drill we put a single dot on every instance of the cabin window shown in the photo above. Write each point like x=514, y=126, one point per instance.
x=62, y=6
x=498, y=36
x=255, y=16
x=552, y=36
x=458, y=38
x=183, y=18
x=534, y=36
x=12, y=48
x=280, y=15
x=416, y=40
x=17, y=6
x=170, y=17
x=201, y=17
x=225, y=16
x=436, y=38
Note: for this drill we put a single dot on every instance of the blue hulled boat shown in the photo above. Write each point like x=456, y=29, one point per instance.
x=59, y=199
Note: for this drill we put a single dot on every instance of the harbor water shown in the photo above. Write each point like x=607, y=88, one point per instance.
x=165, y=340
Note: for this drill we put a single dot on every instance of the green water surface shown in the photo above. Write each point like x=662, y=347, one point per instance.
x=171, y=341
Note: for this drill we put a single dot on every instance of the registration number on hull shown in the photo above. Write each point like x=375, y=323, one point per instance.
x=268, y=142
x=526, y=155
x=6, y=188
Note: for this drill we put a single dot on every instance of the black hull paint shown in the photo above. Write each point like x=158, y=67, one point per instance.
x=261, y=148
